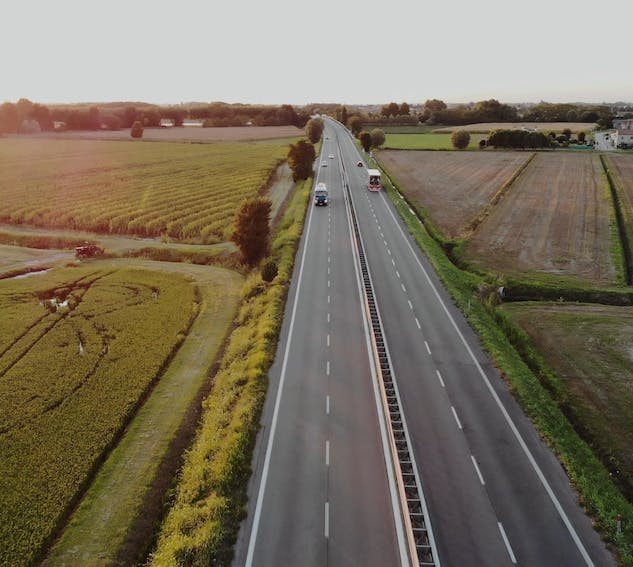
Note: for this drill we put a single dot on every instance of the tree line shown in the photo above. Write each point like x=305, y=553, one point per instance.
x=26, y=116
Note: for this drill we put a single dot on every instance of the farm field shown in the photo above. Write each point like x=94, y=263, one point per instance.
x=453, y=187
x=556, y=218
x=181, y=134
x=114, y=529
x=547, y=127
x=589, y=348
x=620, y=167
x=79, y=347
x=179, y=191
x=428, y=141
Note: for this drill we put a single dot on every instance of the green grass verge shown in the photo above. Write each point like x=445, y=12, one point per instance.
x=42, y=242
x=210, y=499
x=597, y=491
x=427, y=141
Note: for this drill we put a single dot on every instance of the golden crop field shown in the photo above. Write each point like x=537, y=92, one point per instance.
x=79, y=349
x=183, y=191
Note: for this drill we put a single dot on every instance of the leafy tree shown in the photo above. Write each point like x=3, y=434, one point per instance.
x=151, y=118
x=404, y=109
x=9, y=118
x=567, y=133
x=377, y=137
x=365, y=140
x=391, y=109
x=582, y=136
x=434, y=105
x=252, y=229
x=130, y=115
x=314, y=129
x=460, y=139
x=355, y=125
x=137, y=130
x=301, y=156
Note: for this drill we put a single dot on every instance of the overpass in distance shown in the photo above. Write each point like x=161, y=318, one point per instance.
x=455, y=475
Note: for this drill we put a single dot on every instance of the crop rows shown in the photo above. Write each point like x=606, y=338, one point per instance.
x=183, y=191
x=70, y=377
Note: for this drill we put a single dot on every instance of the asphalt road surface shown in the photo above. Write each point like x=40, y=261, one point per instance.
x=322, y=492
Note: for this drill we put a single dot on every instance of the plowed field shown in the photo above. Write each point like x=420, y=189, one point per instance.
x=622, y=166
x=555, y=218
x=452, y=186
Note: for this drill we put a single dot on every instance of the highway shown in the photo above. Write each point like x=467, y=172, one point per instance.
x=322, y=491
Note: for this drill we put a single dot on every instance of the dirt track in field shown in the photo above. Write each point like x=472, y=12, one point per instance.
x=453, y=187
x=554, y=219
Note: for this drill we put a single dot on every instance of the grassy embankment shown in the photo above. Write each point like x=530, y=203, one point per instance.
x=533, y=384
x=208, y=506
x=427, y=141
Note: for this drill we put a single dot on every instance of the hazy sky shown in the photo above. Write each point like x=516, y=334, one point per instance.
x=289, y=51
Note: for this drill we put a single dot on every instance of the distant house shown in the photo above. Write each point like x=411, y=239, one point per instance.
x=166, y=122
x=623, y=123
x=623, y=139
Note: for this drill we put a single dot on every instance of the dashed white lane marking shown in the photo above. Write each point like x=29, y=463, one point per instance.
x=328, y=339
x=328, y=317
x=327, y=453
x=459, y=423
x=327, y=520
x=397, y=273
x=507, y=542
x=418, y=323
x=327, y=367
x=328, y=283
x=388, y=251
x=384, y=241
x=439, y=377
x=403, y=288
x=327, y=405
x=410, y=304
x=481, y=478
x=427, y=347
x=328, y=298
x=393, y=261
x=329, y=270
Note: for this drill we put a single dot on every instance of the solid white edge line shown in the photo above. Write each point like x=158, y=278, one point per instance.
x=273, y=425
x=507, y=542
x=481, y=478
x=504, y=412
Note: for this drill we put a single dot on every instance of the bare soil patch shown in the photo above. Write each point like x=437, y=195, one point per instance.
x=546, y=127
x=453, y=187
x=589, y=348
x=181, y=134
x=555, y=218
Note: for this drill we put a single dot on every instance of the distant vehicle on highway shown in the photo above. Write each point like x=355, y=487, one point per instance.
x=373, y=180
x=360, y=164
x=324, y=164
x=321, y=197
x=331, y=156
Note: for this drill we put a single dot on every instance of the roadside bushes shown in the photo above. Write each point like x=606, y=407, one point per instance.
x=518, y=139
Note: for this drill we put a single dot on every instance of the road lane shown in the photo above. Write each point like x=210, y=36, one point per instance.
x=322, y=483
x=531, y=515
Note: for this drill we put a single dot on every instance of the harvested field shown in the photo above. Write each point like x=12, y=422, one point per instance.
x=622, y=166
x=453, y=187
x=589, y=348
x=547, y=127
x=181, y=134
x=555, y=218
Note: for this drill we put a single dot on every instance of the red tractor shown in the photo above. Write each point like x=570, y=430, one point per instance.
x=88, y=251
